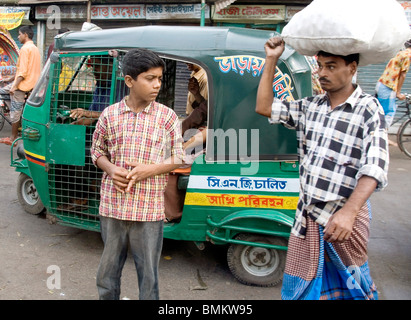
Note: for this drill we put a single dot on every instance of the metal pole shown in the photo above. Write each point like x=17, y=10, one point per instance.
x=203, y=6
x=41, y=39
x=89, y=11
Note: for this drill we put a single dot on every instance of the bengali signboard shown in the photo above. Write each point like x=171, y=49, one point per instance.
x=12, y=17
x=250, y=13
x=124, y=12
x=118, y=12
x=232, y=183
x=98, y=12
x=175, y=11
x=11, y=20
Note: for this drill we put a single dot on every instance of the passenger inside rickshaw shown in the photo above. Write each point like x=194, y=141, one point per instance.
x=194, y=131
x=86, y=92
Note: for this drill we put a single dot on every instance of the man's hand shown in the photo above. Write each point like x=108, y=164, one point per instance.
x=401, y=96
x=15, y=85
x=274, y=47
x=193, y=86
x=340, y=225
x=78, y=113
x=12, y=89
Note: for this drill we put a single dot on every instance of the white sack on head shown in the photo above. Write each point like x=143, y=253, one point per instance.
x=376, y=29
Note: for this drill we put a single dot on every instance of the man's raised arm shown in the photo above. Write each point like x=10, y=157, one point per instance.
x=274, y=47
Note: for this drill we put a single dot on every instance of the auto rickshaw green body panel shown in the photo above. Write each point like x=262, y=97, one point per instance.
x=246, y=182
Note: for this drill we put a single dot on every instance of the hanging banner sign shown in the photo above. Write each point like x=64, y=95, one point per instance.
x=175, y=11
x=118, y=12
x=248, y=13
x=11, y=20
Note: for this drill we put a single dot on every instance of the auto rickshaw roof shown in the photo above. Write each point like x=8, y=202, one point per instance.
x=171, y=39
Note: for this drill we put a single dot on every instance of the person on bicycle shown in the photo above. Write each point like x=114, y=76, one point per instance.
x=390, y=83
x=27, y=74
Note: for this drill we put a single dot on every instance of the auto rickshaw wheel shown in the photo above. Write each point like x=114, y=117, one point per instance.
x=28, y=195
x=257, y=266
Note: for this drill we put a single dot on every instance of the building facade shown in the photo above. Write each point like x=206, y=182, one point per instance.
x=47, y=17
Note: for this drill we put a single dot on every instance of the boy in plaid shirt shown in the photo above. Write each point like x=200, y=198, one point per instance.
x=136, y=143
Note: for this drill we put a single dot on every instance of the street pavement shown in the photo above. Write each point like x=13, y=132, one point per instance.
x=390, y=238
x=31, y=247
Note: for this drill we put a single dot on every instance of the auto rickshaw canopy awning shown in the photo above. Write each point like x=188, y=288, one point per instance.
x=171, y=39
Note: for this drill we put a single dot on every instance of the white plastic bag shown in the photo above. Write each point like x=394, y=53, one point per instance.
x=376, y=29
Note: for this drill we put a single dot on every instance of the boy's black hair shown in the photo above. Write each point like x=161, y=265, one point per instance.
x=140, y=60
x=27, y=30
x=348, y=59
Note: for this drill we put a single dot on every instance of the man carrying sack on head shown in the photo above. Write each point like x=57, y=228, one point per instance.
x=342, y=146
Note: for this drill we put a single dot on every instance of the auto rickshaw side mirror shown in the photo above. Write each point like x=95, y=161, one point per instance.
x=54, y=57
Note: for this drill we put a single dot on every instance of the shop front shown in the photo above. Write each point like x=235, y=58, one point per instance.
x=51, y=17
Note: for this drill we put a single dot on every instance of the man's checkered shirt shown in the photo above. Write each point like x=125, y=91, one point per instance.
x=336, y=147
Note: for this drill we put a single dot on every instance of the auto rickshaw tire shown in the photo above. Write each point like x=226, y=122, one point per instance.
x=257, y=266
x=28, y=195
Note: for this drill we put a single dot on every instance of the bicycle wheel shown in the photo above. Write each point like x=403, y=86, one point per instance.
x=404, y=137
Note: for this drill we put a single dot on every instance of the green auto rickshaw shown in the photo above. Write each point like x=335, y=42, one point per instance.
x=241, y=191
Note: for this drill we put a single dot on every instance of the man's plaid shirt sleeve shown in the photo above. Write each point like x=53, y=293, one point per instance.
x=376, y=160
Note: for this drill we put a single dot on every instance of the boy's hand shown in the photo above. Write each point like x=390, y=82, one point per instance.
x=119, y=177
x=274, y=47
x=140, y=172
